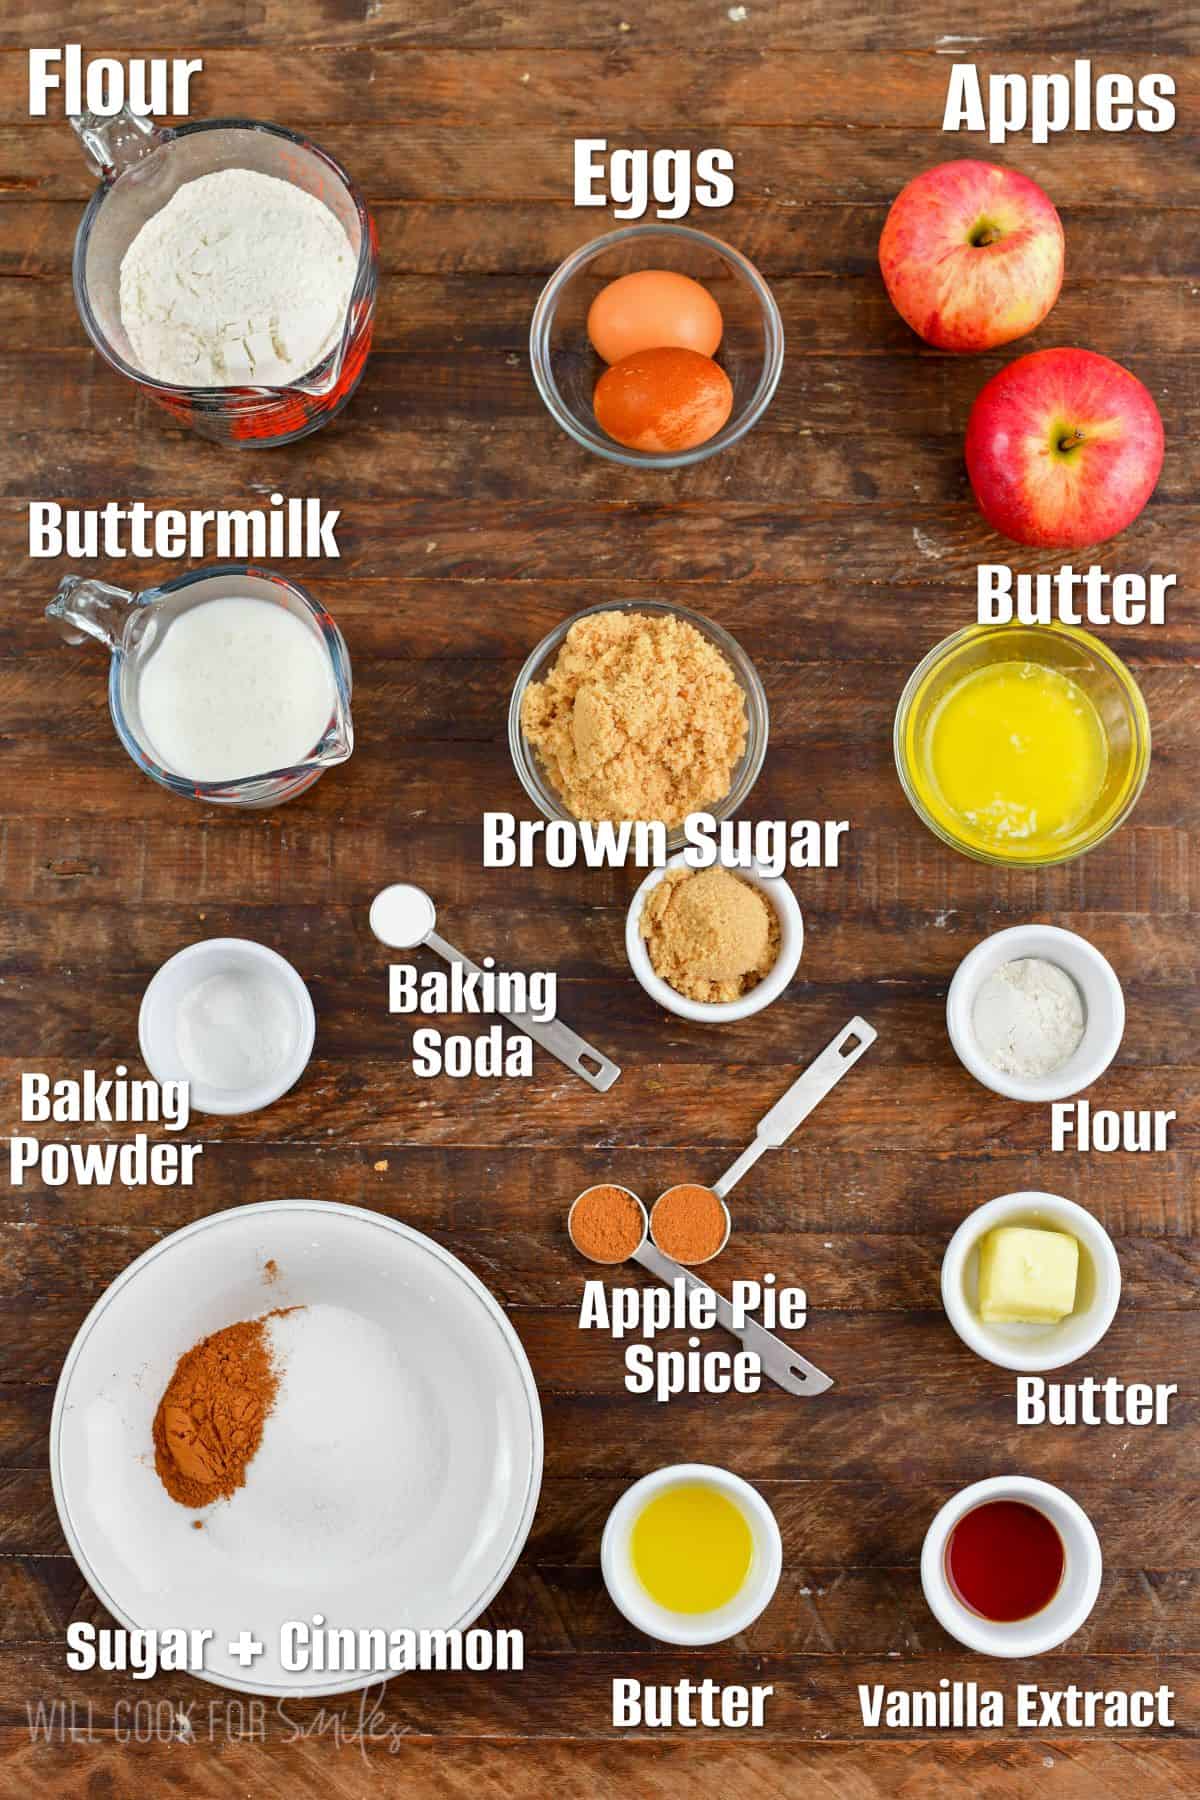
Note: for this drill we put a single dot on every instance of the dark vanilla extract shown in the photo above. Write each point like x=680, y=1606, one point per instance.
x=1005, y=1560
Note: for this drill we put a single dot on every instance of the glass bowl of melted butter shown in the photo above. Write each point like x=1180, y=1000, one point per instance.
x=1022, y=745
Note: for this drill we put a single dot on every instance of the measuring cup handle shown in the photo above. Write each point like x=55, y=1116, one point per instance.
x=90, y=609
x=112, y=145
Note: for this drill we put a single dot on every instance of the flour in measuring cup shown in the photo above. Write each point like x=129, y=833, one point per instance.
x=240, y=279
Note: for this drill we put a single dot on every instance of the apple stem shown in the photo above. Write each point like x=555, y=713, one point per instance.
x=989, y=235
x=1073, y=437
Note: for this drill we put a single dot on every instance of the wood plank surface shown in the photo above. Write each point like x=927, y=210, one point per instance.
x=837, y=541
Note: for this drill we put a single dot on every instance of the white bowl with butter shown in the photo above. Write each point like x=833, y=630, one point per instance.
x=1046, y=1344
x=1099, y=991
x=692, y=1629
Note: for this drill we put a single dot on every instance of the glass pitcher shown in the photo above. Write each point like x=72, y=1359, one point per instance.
x=141, y=165
x=132, y=626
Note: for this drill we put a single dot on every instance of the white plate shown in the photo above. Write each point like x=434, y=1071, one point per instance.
x=480, y=1460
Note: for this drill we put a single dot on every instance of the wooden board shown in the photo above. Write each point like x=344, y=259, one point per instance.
x=837, y=542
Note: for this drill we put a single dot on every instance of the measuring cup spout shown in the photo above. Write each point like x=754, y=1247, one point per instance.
x=90, y=609
x=337, y=746
x=112, y=145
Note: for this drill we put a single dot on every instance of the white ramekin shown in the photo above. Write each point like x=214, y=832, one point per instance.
x=182, y=972
x=1032, y=1348
x=1103, y=1001
x=1070, y=1606
x=630, y=1597
x=791, y=942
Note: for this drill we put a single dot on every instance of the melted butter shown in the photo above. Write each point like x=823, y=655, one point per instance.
x=1014, y=759
x=691, y=1548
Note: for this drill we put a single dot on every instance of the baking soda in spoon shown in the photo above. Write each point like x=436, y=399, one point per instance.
x=403, y=917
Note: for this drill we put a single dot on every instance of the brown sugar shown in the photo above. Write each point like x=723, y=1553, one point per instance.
x=641, y=717
x=709, y=934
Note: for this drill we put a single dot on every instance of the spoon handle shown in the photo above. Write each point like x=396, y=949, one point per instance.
x=806, y=1092
x=783, y=1365
x=582, y=1058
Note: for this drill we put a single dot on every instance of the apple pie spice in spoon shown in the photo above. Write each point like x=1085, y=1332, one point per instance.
x=608, y=1224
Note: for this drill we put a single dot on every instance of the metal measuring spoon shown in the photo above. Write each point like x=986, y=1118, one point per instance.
x=403, y=917
x=779, y=1362
x=806, y=1092
x=776, y=1127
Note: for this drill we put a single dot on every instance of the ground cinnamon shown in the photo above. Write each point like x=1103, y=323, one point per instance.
x=209, y=1422
x=606, y=1224
x=689, y=1223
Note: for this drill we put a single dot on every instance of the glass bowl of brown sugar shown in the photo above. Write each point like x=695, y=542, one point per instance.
x=716, y=661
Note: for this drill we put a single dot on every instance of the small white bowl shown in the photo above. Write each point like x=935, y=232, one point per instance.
x=1093, y=975
x=630, y=1597
x=779, y=897
x=1077, y=1592
x=1032, y=1348
x=184, y=971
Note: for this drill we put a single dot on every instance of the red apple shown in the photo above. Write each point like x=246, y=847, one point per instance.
x=1063, y=448
x=972, y=255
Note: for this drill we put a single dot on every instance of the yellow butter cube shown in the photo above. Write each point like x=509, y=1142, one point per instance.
x=1027, y=1276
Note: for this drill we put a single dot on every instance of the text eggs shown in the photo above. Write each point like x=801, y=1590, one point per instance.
x=663, y=400
x=653, y=309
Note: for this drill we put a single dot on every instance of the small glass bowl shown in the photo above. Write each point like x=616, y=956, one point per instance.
x=1092, y=665
x=566, y=368
x=541, y=660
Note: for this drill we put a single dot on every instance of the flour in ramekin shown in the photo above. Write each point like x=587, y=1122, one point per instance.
x=239, y=280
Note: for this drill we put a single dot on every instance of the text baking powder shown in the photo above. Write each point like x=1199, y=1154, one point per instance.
x=240, y=279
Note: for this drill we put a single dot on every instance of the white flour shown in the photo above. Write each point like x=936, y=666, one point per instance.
x=240, y=279
x=1029, y=1017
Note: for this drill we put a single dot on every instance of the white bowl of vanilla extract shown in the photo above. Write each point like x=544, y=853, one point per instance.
x=1011, y=1566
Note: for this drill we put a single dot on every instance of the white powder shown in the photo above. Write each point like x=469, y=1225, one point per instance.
x=234, y=1030
x=1028, y=1018
x=353, y=1457
x=240, y=279
x=235, y=687
x=402, y=916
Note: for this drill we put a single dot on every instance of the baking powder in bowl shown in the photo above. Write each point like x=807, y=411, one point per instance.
x=240, y=279
x=235, y=1030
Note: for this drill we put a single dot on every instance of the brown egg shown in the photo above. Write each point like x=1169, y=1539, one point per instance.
x=663, y=400
x=651, y=308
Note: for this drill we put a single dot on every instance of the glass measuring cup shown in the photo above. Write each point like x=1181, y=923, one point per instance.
x=132, y=626
x=141, y=165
